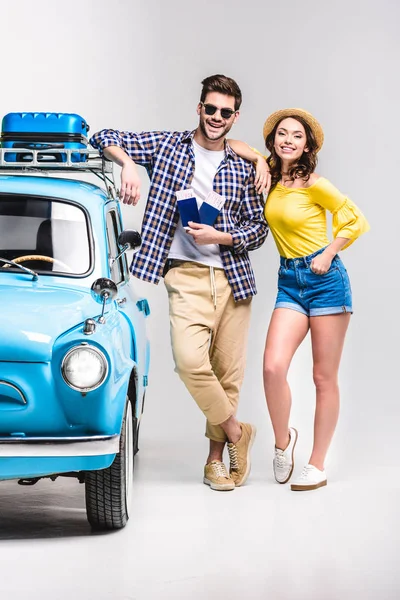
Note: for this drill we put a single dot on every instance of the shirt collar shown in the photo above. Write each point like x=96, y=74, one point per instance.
x=188, y=139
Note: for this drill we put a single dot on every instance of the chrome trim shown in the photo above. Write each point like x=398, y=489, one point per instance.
x=94, y=162
x=89, y=327
x=85, y=346
x=14, y=387
x=95, y=445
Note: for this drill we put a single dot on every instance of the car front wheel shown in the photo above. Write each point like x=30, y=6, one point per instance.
x=109, y=491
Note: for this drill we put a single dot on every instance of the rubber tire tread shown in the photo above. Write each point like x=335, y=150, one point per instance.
x=105, y=491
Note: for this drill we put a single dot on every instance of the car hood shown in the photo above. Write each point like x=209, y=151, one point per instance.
x=32, y=319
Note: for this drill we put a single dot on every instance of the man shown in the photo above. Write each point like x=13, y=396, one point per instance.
x=206, y=268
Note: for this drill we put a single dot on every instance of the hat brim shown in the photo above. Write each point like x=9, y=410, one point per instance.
x=277, y=116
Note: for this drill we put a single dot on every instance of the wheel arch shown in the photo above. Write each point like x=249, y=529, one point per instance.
x=133, y=386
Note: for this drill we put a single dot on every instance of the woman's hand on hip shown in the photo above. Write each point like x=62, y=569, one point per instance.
x=321, y=263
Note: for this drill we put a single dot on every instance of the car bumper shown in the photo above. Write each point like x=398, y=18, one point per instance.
x=59, y=447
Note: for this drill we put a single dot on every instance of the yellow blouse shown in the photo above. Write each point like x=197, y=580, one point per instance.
x=297, y=218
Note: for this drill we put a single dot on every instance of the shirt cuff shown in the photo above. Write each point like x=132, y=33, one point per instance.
x=239, y=242
x=100, y=143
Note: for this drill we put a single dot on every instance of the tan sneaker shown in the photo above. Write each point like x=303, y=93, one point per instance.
x=216, y=476
x=239, y=454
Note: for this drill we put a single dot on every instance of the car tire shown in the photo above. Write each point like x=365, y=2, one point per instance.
x=136, y=447
x=109, y=491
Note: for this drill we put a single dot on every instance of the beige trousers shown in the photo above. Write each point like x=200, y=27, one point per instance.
x=209, y=337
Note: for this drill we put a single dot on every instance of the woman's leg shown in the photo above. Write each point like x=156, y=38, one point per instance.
x=327, y=337
x=286, y=331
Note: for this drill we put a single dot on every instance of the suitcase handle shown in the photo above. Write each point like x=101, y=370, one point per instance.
x=38, y=145
x=27, y=156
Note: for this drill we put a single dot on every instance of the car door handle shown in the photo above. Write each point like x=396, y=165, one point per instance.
x=143, y=306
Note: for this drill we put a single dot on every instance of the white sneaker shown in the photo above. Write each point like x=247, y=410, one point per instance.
x=310, y=478
x=284, y=459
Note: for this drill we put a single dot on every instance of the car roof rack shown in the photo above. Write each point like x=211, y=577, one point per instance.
x=77, y=160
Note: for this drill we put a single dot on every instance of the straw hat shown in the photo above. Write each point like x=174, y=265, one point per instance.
x=277, y=116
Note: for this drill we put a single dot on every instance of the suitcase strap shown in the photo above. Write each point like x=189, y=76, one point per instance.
x=42, y=136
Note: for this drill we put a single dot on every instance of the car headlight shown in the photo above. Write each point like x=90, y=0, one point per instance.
x=84, y=368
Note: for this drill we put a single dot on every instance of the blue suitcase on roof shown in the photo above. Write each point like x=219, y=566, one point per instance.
x=44, y=131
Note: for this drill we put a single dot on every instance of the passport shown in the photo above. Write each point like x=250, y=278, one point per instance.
x=210, y=208
x=187, y=206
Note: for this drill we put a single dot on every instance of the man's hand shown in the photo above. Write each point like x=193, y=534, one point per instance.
x=130, y=183
x=263, y=176
x=205, y=234
x=130, y=180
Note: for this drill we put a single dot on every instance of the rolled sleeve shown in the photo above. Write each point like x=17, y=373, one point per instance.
x=253, y=228
x=349, y=222
x=140, y=147
x=239, y=241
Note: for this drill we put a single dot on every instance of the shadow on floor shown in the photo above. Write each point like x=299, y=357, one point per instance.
x=45, y=510
x=57, y=509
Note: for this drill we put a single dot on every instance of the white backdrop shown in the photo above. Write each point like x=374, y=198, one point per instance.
x=138, y=65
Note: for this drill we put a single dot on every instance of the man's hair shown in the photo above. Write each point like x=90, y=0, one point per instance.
x=222, y=85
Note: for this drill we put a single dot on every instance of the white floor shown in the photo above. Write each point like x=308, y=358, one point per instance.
x=262, y=541
x=185, y=541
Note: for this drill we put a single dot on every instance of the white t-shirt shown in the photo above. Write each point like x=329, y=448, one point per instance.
x=183, y=246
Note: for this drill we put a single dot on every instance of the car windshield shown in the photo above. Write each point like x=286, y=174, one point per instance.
x=45, y=235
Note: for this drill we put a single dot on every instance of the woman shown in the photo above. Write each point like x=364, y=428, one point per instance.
x=313, y=286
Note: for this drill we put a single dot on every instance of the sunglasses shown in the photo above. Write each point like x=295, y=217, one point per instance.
x=210, y=109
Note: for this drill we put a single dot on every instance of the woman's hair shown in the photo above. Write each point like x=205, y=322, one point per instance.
x=304, y=166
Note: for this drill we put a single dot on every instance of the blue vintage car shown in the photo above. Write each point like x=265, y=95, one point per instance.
x=74, y=355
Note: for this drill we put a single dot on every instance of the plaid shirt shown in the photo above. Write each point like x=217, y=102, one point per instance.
x=170, y=162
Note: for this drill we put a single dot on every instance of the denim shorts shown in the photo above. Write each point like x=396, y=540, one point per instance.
x=299, y=288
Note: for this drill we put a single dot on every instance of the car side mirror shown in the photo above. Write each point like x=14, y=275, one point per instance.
x=129, y=239
x=103, y=291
